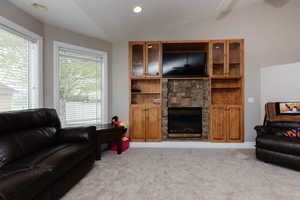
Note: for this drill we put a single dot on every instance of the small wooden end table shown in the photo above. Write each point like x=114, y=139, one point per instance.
x=106, y=134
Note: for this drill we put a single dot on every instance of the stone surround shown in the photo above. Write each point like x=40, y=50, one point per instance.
x=186, y=93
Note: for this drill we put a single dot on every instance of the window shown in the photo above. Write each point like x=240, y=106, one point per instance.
x=19, y=68
x=81, y=85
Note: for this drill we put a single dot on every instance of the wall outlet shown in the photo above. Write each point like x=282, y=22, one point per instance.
x=251, y=100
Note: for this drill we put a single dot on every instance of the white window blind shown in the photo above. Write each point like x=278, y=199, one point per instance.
x=80, y=87
x=18, y=70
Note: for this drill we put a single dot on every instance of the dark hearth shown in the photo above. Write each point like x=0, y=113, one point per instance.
x=185, y=122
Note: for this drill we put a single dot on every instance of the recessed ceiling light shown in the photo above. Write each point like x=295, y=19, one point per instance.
x=40, y=6
x=137, y=9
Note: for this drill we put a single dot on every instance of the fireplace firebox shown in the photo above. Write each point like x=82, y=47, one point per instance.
x=185, y=122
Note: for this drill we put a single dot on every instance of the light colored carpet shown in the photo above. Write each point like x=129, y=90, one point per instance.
x=186, y=174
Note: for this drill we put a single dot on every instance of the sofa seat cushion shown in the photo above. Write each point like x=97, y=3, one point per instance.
x=59, y=158
x=23, y=183
x=279, y=144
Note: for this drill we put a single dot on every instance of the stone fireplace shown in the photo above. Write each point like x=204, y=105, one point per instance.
x=179, y=93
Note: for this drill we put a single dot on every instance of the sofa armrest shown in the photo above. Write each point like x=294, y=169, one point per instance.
x=78, y=134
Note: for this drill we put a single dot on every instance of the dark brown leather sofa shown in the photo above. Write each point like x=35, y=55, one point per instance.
x=38, y=159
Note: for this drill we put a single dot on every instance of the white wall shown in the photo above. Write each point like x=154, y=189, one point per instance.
x=50, y=34
x=279, y=83
x=18, y=16
x=271, y=38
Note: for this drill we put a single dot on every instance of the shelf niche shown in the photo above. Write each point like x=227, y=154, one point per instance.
x=228, y=96
x=149, y=91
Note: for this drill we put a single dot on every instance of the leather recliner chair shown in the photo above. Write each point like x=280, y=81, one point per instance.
x=38, y=159
x=273, y=147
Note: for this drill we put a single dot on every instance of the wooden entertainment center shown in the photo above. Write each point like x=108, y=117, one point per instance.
x=224, y=89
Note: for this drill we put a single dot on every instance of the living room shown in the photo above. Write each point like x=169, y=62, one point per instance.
x=202, y=96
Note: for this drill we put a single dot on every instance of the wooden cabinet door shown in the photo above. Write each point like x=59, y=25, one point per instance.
x=218, y=58
x=235, y=124
x=235, y=57
x=153, y=123
x=218, y=123
x=153, y=59
x=137, y=123
x=137, y=59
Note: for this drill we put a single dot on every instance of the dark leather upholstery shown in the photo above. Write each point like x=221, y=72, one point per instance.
x=37, y=153
x=21, y=184
x=272, y=146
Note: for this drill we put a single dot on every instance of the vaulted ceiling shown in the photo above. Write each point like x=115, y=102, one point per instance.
x=114, y=20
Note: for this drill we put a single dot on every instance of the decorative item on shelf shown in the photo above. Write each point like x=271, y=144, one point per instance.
x=156, y=101
x=135, y=90
x=134, y=102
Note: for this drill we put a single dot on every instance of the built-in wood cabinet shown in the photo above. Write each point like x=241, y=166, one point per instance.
x=218, y=53
x=218, y=124
x=234, y=58
x=137, y=123
x=153, y=123
x=235, y=124
x=137, y=59
x=226, y=123
x=153, y=59
x=226, y=92
x=227, y=58
x=145, y=59
x=145, y=123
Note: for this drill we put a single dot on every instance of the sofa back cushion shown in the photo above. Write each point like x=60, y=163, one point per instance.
x=28, y=119
x=278, y=124
x=25, y=132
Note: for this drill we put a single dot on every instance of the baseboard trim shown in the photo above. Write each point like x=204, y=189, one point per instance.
x=193, y=145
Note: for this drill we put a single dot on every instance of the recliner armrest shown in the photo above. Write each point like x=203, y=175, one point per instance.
x=78, y=134
x=268, y=130
x=261, y=130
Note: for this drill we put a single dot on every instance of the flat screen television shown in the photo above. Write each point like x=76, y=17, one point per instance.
x=185, y=65
x=288, y=108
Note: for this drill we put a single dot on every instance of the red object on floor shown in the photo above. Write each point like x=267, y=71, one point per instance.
x=125, y=146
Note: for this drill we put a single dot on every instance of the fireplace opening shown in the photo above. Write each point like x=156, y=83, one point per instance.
x=185, y=122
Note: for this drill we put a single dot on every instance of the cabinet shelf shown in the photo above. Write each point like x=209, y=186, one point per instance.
x=226, y=77
x=145, y=77
x=188, y=78
x=226, y=87
x=228, y=104
x=144, y=93
x=218, y=63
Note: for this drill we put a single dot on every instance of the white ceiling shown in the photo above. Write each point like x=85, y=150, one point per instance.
x=114, y=20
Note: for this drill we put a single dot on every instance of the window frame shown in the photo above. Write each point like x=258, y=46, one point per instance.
x=104, y=86
x=37, y=75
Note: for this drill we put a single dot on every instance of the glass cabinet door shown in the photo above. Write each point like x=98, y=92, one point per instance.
x=234, y=60
x=153, y=59
x=218, y=58
x=137, y=59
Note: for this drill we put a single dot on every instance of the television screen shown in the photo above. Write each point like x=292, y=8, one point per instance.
x=289, y=108
x=184, y=64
